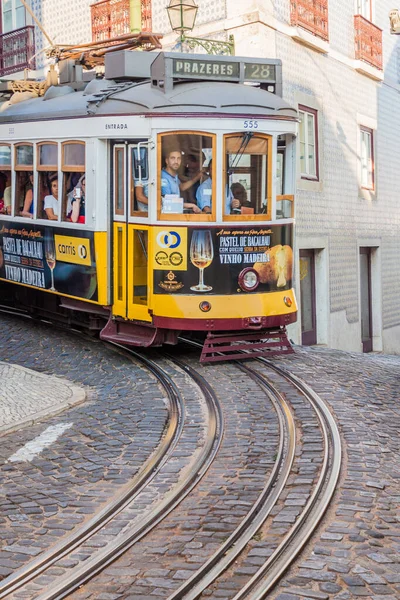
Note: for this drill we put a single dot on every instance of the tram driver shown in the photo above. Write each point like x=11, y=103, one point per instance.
x=170, y=182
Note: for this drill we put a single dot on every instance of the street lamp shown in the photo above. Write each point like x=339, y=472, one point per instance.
x=182, y=16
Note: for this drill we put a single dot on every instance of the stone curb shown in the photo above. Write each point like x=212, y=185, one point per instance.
x=78, y=395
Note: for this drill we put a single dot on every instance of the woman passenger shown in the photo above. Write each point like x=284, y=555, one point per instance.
x=5, y=201
x=51, y=201
x=239, y=197
x=27, y=209
x=78, y=202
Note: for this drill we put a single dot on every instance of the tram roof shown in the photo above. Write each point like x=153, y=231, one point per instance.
x=105, y=97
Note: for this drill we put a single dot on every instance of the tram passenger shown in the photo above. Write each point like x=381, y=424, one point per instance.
x=141, y=194
x=192, y=168
x=51, y=201
x=170, y=182
x=5, y=200
x=239, y=194
x=78, y=202
x=27, y=208
x=3, y=183
x=72, y=182
x=236, y=198
x=204, y=192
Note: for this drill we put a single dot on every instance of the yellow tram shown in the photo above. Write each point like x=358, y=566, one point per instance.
x=154, y=201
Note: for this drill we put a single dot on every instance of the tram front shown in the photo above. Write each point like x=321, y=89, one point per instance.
x=203, y=209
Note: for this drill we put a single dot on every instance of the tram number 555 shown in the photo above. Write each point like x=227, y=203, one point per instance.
x=250, y=124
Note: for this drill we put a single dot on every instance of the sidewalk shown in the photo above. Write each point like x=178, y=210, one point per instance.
x=27, y=396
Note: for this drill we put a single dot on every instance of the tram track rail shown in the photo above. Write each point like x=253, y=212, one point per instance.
x=127, y=494
x=69, y=582
x=266, y=577
x=273, y=569
x=237, y=541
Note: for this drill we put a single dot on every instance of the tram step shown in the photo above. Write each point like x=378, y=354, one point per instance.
x=241, y=346
x=131, y=334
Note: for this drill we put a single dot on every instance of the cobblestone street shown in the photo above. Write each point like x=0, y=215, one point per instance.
x=113, y=418
x=112, y=434
x=356, y=552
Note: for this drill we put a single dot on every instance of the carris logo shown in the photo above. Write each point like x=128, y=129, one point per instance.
x=168, y=239
x=82, y=251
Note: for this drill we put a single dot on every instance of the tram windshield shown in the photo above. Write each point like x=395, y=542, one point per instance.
x=247, y=174
x=187, y=174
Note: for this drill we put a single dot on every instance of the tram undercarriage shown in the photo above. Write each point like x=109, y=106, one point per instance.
x=228, y=340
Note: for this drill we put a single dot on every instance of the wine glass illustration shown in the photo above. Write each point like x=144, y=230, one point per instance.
x=50, y=253
x=201, y=256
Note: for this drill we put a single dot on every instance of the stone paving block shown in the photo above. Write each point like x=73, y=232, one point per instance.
x=308, y=593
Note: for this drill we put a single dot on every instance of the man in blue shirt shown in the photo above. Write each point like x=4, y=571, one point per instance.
x=170, y=182
x=204, y=192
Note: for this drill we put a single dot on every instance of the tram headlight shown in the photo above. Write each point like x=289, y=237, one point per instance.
x=205, y=306
x=248, y=279
x=288, y=301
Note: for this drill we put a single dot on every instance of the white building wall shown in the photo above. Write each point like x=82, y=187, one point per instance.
x=67, y=21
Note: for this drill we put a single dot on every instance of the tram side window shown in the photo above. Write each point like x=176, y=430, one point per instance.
x=247, y=174
x=24, y=188
x=5, y=180
x=119, y=180
x=186, y=178
x=47, y=166
x=139, y=179
x=74, y=182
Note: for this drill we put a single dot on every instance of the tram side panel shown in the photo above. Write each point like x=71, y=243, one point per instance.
x=56, y=260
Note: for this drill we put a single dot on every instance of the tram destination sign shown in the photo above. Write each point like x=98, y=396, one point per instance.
x=206, y=69
x=168, y=68
x=223, y=70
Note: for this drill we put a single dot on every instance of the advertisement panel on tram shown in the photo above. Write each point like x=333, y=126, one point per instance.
x=49, y=258
x=216, y=260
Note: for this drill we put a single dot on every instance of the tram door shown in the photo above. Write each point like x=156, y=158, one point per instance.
x=130, y=238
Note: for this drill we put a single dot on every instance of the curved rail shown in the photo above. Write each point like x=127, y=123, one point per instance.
x=234, y=545
x=149, y=470
x=259, y=586
x=266, y=577
x=104, y=557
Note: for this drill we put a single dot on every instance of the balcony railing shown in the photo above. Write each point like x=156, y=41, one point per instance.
x=17, y=49
x=111, y=18
x=368, y=42
x=311, y=15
